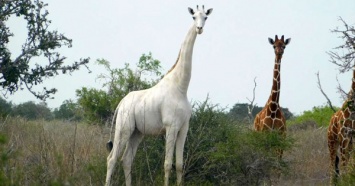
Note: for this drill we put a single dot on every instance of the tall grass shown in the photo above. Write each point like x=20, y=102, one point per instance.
x=68, y=153
x=53, y=153
x=309, y=158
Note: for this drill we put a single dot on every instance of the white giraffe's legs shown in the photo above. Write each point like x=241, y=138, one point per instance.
x=129, y=154
x=171, y=134
x=180, y=142
x=123, y=133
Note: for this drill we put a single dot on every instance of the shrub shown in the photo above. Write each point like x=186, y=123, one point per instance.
x=320, y=115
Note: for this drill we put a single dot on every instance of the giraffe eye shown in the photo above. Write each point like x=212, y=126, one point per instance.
x=274, y=47
x=206, y=18
x=193, y=18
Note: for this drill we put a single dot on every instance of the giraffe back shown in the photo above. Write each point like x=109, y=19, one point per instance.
x=268, y=119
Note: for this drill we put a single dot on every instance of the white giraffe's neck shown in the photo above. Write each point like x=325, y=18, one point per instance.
x=182, y=71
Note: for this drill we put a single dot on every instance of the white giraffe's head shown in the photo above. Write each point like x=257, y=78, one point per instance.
x=200, y=17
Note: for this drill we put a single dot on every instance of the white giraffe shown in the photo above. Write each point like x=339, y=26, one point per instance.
x=164, y=108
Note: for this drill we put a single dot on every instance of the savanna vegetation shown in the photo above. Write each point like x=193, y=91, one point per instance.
x=218, y=151
x=66, y=146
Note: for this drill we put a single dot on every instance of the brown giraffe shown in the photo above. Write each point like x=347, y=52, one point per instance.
x=340, y=132
x=271, y=116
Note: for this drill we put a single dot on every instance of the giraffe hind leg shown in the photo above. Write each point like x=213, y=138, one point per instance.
x=122, y=136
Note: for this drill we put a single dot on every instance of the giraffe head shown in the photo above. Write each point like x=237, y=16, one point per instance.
x=279, y=44
x=200, y=17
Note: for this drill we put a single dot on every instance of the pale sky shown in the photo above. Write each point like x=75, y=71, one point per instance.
x=228, y=55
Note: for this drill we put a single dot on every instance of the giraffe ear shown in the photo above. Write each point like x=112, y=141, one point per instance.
x=287, y=41
x=191, y=11
x=209, y=11
x=271, y=41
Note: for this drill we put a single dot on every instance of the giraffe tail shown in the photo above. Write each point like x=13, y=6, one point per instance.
x=109, y=144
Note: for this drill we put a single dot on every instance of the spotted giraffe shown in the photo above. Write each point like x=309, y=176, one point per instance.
x=340, y=132
x=271, y=116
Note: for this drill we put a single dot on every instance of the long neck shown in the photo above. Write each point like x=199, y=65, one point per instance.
x=352, y=90
x=182, y=70
x=276, y=83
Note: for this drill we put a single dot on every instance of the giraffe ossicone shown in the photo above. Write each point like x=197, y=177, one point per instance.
x=163, y=108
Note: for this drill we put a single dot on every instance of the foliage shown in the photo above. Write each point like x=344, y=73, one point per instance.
x=217, y=152
x=320, y=115
x=3, y=160
x=239, y=112
x=32, y=111
x=98, y=105
x=208, y=126
x=68, y=110
x=44, y=150
x=41, y=45
x=5, y=107
x=120, y=82
x=249, y=157
x=349, y=177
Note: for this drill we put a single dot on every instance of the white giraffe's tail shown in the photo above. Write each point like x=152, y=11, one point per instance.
x=109, y=144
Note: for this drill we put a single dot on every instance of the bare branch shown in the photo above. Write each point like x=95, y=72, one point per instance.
x=324, y=94
x=251, y=105
x=344, y=56
x=343, y=94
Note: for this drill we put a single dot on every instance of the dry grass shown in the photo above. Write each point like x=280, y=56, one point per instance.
x=54, y=153
x=309, y=159
x=60, y=153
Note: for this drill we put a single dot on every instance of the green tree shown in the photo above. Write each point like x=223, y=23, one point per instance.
x=32, y=111
x=320, y=115
x=5, y=107
x=98, y=105
x=239, y=112
x=41, y=45
x=68, y=110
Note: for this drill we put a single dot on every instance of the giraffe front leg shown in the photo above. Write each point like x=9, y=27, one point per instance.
x=180, y=142
x=169, y=151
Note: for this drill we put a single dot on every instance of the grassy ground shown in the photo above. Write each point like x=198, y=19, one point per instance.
x=63, y=153
x=309, y=159
x=54, y=153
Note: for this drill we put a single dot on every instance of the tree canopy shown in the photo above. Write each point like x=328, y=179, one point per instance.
x=239, y=112
x=39, y=58
x=98, y=105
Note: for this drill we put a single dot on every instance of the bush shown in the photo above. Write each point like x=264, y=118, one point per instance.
x=248, y=157
x=320, y=115
x=32, y=111
x=217, y=152
x=99, y=105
